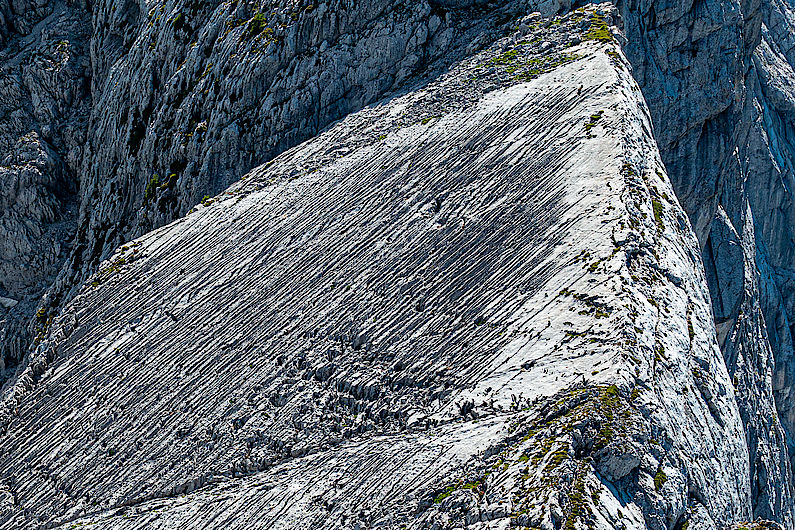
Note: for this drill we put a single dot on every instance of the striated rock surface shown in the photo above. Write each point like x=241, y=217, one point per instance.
x=490, y=264
x=146, y=109
x=188, y=96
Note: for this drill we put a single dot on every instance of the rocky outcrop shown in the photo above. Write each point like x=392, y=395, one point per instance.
x=481, y=295
x=382, y=294
x=700, y=66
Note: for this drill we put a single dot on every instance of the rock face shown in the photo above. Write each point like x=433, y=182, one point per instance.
x=146, y=110
x=715, y=144
x=43, y=111
x=769, y=175
x=380, y=280
x=490, y=267
x=722, y=132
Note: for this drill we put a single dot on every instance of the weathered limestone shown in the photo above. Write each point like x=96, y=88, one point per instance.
x=478, y=297
x=493, y=262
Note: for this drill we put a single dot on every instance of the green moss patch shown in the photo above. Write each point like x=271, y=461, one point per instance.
x=598, y=31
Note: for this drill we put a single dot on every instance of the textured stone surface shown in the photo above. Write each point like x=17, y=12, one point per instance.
x=704, y=73
x=186, y=97
x=381, y=279
x=44, y=105
x=770, y=159
x=479, y=296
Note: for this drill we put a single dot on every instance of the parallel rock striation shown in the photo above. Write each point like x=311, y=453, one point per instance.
x=489, y=268
x=494, y=263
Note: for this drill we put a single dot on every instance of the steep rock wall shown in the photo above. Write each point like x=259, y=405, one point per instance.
x=698, y=65
x=770, y=177
x=44, y=105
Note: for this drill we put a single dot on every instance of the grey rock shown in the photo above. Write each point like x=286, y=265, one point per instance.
x=43, y=113
x=717, y=133
x=322, y=256
x=376, y=136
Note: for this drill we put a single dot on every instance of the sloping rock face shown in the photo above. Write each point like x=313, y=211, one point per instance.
x=147, y=108
x=189, y=96
x=479, y=302
x=488, y=277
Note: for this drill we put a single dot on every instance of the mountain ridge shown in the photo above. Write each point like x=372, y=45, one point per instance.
x=684, y=329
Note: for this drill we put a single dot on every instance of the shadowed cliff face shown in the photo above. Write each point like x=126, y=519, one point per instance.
x=702, y=71
x=770, y=177
x=44, y=105
x=692, y=60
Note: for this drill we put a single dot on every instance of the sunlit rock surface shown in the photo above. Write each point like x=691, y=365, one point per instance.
x=489, y=273
x=472, y=302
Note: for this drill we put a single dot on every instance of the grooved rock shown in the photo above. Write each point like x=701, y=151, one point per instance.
x=435, y=264
x=489, y=263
